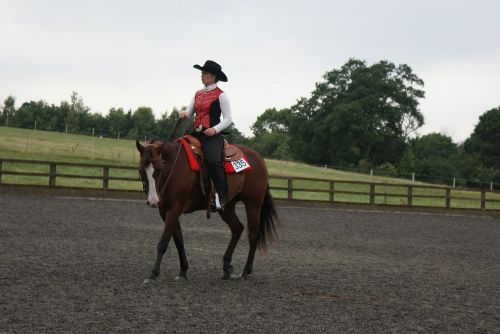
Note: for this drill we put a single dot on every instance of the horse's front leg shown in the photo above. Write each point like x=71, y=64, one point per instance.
x=179, y=244
x=171, y=222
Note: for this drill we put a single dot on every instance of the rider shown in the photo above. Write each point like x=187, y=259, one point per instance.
x=209, y=104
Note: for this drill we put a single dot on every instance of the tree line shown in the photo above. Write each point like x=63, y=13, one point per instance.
x=367, y=117
x=74, y=116
x=358, y=116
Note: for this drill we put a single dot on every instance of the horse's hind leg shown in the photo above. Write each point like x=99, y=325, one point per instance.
x=179, y=244
x=253, y=222
x=230, y=217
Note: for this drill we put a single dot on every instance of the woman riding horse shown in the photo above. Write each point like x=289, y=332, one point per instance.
x=175, y=189
x=209, y=104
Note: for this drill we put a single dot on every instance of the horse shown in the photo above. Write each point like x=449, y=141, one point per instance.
x=174, y=189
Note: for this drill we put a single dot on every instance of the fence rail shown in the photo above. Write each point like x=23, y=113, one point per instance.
x=283, y=187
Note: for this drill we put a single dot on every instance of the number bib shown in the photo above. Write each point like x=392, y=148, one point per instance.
x=240, y=165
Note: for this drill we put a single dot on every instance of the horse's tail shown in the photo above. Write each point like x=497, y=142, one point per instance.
x=269, y=220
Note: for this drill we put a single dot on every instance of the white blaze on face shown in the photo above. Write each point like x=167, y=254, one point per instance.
x=152, y=195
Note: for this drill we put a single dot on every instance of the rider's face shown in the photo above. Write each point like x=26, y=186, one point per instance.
x=207, y=78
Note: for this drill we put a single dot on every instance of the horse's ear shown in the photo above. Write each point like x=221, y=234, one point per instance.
x=140, y=148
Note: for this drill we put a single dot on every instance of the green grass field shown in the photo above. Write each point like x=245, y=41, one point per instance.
x=61, y=147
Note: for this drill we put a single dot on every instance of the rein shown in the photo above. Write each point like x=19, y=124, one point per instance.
x=171, y=169
x=163, y=166
x=179, y=121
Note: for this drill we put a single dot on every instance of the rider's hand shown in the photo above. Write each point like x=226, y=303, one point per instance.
x=183, y=114
x=210, y=132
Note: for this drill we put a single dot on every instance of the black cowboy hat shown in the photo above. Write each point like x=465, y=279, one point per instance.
x=214, y=68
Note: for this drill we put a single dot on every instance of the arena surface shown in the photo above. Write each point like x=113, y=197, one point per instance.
x=77, y=265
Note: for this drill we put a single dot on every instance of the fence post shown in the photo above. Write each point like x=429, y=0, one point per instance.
x=412, y=177
x=52, y=177
x=332, y=191
x=410, y=196
x=290, y=189
x=372, y=193
x=105, y=177
x=0, y=171
x=385, y=192
x=448, y=197
x=483, y=199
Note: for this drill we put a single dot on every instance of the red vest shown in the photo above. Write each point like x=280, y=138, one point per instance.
x=207, y=107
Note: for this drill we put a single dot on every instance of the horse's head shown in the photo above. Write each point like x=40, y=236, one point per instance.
x=151, y=167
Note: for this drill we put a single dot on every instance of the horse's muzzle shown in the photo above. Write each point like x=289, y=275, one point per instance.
x=152, y=204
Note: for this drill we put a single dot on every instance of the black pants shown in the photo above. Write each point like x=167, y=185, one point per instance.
x=213, y=148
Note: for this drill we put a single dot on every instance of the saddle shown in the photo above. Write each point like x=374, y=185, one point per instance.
x=232, y=155
x=231, y=152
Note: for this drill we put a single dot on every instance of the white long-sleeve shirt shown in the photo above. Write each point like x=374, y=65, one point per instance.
x=225, y=109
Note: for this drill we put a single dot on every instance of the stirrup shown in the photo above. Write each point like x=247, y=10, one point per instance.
x=217, y=204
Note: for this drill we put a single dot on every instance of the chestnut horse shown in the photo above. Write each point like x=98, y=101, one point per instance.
x=172, y=187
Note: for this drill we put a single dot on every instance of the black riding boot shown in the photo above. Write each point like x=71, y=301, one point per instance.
x=213, y=147
x=218, y=176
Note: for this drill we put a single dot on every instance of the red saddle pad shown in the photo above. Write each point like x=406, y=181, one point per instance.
x=230, y=167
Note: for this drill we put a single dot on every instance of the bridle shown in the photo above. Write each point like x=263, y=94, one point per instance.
x=163, y=166
x=171, y=169
x=163, y=171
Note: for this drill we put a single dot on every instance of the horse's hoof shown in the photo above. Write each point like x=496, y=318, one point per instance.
x=149, y=281
x=228, y=276
x=244, y=275
x=180, y=278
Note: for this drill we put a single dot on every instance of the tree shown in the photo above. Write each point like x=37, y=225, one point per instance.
x=35, y=112
x=24, y=116
x=357, y=112
x=74, y=114
x=271, y=134
x=407, y=163
x=272, y=120
x=96, y=124
x=118, y=122
x=165, y=125
x=434, y=145
x=485, y=140
x=484, y=175
x=59, y=120
x=143, y=123
x=9, y=109
x=436, y=155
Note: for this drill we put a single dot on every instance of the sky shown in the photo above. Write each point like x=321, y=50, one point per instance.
x=140, y=53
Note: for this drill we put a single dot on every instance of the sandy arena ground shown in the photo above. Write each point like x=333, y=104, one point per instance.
x=77, y=265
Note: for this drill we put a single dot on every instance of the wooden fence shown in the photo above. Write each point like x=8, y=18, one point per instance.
x=53, y=175
x=286, y=188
